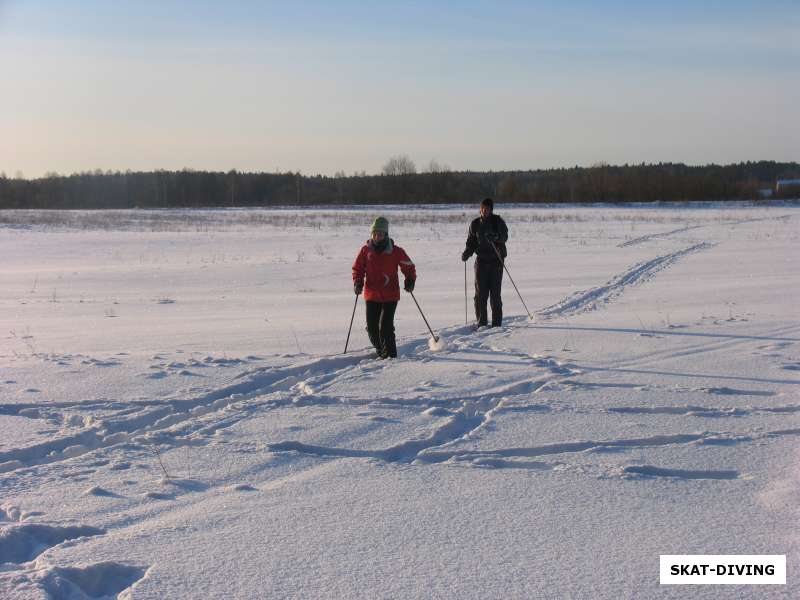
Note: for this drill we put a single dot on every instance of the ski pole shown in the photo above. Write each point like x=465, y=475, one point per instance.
x=351, y=325
x=466, y=319
x=502, y=262
x=435, y=339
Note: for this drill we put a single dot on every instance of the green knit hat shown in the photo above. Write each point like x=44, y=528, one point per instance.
x=380, y=224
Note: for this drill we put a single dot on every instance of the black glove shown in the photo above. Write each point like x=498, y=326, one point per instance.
x=409, y=285
x=465, y=255
x=358, y=286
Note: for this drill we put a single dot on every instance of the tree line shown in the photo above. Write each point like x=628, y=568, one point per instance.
x=398, y=184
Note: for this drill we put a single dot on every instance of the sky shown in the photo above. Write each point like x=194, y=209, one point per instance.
x=326, y=87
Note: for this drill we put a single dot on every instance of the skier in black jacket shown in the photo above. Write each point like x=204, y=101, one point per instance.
x=487, y=239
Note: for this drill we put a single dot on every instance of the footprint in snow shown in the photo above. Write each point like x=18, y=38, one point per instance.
x=156, y=375
x=431, y=384
x=651, y=471
x=380, y=419
x=122, y=466
x=500, y=463
x=187, y=373
x=100, y=492
x=102, y=580
x=158, y=496
x=189, y=485
x=243, y=487
x=437, y=411
x=24, y=542
x=9, y=512
x=101, y=363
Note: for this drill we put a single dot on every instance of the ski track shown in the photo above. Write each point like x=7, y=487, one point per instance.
x=477, y=411
x=159, y=420
x=655, y=236
x=639, y=273
x=708, y=343
x=190, y=420
x=666, y=234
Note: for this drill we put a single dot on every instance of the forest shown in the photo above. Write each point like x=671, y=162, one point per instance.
x=400, y=183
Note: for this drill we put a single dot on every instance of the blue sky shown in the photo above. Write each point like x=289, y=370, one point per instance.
x=322, y=87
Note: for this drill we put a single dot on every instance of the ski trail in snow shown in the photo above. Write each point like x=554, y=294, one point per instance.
x=455, y=427
x=435, y=448
x=707, y=343
x=590, y=299
x=701, y=438
x=474, y=414
x=654, y=236
x=164, y=421
x=665, y=234
x=307, y=383
x=169, y=421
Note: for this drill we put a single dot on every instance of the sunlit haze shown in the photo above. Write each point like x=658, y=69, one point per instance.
x=323, y=87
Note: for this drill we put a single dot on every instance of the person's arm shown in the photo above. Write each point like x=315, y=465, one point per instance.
x=407, y=267
x=359, y=271
x=502, y=230
x=472, y=242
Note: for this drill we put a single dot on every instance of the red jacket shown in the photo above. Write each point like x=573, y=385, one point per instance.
x=380, y=271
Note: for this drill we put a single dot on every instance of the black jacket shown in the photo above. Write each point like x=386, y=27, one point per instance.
x=479, y=244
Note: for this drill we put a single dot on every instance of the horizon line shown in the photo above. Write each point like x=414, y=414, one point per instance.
x=19, y=176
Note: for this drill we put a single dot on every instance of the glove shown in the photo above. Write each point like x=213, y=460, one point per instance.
x=409, y=285
x=358, y=286
x=465, y=255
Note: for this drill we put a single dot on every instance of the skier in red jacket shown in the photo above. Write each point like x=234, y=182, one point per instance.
x=375, y=272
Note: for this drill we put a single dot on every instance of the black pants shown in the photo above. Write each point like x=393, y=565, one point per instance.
x=488, y=280
x=380, y=327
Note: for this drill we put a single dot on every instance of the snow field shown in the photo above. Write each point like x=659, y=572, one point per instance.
x=178, y=420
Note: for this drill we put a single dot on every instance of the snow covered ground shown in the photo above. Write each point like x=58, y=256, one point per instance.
x=177, y=418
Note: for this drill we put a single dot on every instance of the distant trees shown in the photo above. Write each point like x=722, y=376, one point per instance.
x=399, y=183
x=399, y=169
x=434, y=167
x=399, y=165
